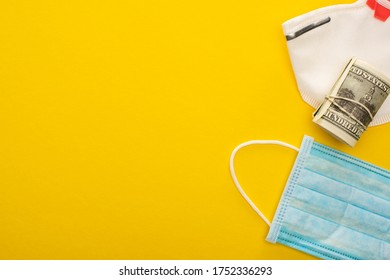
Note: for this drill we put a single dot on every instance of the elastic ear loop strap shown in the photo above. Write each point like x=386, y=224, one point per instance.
x=233, y=173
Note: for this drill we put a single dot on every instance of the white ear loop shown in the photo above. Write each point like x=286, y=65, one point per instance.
x=233, y=173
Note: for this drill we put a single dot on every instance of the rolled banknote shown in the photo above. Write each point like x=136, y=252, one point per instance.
x=353, y=101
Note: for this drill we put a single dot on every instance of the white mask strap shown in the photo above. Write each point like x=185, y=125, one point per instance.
x=232, y=172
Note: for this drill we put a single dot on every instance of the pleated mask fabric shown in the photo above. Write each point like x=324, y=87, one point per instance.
x=334, y=206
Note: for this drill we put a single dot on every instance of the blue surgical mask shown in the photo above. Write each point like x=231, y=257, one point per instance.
x=334, y=206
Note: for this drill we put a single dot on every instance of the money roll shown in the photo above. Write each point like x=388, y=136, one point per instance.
x=353, y=101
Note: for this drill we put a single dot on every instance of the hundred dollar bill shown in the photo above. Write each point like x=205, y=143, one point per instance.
x=353, y=101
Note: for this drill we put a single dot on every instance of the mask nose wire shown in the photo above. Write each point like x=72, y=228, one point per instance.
x=233, y=173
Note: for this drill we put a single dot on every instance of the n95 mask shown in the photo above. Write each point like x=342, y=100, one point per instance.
x=321, y=42
x=334, y=206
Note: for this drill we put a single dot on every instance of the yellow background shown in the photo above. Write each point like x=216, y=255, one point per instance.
x=118, y=118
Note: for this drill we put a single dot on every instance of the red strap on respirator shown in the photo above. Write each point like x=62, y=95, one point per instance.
x=381, y=8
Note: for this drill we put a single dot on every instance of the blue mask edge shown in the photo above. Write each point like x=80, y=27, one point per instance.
x=277, y=221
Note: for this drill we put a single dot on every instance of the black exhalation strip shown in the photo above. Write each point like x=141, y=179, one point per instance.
x=307, y=28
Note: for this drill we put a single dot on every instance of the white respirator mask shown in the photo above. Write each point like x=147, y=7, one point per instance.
x=321, y=43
